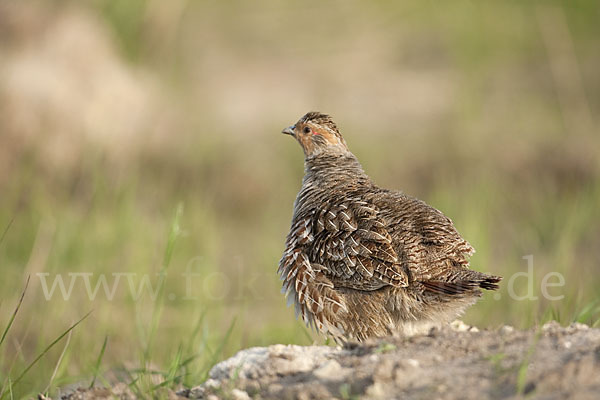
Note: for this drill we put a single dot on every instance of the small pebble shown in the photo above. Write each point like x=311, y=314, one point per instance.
x=412, y=362
x=506, y=329
x=237, y=394
x=212, y=384
x=550, y=326
x=331, y=370
x=376, y=391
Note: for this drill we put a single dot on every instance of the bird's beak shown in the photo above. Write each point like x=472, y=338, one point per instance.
x=289, y=130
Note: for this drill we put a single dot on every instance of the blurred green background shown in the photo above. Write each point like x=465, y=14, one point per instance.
x=114, y=114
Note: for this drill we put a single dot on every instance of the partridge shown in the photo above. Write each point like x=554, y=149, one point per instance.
x=361, y=261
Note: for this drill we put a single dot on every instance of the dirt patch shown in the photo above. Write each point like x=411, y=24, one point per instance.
x=458, y=362
x=453, y=363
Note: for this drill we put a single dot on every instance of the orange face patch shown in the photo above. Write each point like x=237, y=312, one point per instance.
x=316, y=137
x=326, y=134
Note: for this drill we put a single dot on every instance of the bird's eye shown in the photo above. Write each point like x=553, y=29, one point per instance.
x=306, y=129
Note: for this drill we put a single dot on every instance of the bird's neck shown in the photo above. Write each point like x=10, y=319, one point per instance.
x=333, y=170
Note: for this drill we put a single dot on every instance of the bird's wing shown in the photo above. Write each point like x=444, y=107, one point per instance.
x=423, y=235
x=353, y=246
x=435, y=253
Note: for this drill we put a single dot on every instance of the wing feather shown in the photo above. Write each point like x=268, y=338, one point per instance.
x=355, y=247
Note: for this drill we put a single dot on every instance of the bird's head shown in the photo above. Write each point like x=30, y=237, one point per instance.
x=317, y=134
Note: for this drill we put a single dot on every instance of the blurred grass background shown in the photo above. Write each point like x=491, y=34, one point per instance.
x=114, y=112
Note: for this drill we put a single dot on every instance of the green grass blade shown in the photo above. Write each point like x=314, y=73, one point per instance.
x=195, y=332
x=174, y=233
x=18, y=379
x=522, y=370
x=189, y=348
x=98, y=361
x=188, y=360
x=171, y=375
x=217, y=353
x=132, y=381
x=221, y=346
x=588, y=312
x=175, y=365
x=12, y=318
x=57, y=366
x=6, y=230
x=307, y=334
x=168, y=381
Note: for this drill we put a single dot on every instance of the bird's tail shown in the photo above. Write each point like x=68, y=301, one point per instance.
x=467, y=282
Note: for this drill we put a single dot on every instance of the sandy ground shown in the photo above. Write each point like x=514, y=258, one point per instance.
x=458, y=362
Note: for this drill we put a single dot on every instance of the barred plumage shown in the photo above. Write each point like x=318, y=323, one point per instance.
x=361, y=261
